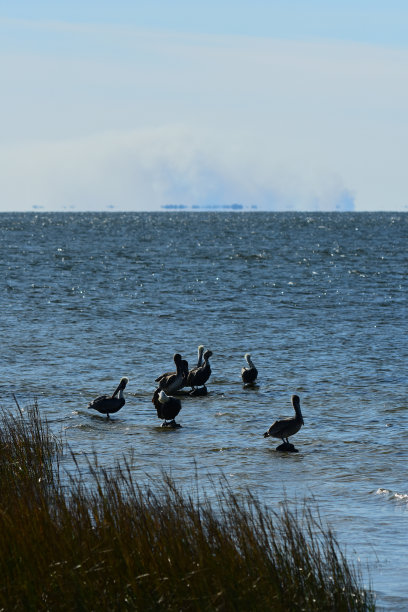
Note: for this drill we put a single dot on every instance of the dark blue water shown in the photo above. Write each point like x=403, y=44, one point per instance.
x=319, y=300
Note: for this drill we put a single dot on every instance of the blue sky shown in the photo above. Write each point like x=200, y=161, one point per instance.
x=134, y=106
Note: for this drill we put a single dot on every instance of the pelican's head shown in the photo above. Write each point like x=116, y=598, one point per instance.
x=296, y=401
x=123, y=382
x=163, y=398
x=207, y=354
x=176, y=358
x=200, y=348
x=247, y=357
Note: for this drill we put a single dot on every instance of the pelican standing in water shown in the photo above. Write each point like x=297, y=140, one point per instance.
x=167, y=407
x=284, y=428
x=109, y=404
x=250, y=373
x=197, y=377
x=171, y=382
x=184, y=366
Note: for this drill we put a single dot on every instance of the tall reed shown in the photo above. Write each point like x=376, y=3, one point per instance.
x=115, y=545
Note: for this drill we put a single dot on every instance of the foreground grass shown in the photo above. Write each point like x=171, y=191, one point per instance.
x=117, y=546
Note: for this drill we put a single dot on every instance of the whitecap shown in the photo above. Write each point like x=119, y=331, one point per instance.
x=393, y=495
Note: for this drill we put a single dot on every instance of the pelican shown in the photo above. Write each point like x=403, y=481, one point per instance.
x=109, y=404
x=184, y=365
x=249, y=374
x=167, y=407
x=197, y=377
x=284, y=428
x=171, y=382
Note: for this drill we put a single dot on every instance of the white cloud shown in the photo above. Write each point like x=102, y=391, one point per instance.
x=140, y=120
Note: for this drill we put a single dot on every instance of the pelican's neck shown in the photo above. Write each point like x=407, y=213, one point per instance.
x=249, y=361
x=121, y=394
x=298, y=412
x=200, y=356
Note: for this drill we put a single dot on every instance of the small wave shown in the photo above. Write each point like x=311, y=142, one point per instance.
x=251, y=257
x=393, y=495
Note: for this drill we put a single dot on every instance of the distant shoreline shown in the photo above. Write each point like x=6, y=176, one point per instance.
x=224, y=210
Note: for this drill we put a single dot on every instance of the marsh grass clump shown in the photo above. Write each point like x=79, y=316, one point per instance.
x=112, y=544
x=28, y=451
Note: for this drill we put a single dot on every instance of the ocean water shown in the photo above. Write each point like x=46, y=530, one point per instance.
x=319, y=300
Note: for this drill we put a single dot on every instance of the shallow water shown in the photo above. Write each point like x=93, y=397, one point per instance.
x=319, y=300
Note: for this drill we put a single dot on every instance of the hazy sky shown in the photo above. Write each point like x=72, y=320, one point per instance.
x=130, y=105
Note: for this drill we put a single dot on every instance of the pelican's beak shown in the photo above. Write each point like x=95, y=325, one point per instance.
x=266, y=434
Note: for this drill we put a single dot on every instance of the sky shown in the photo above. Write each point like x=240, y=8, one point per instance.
x=136, y=106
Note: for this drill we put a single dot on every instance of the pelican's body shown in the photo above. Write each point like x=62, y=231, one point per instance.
x=197, y=377
x=167, y=407
x=109, y=404
x=250, y=373
x=173, y=381
x=284, y=428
